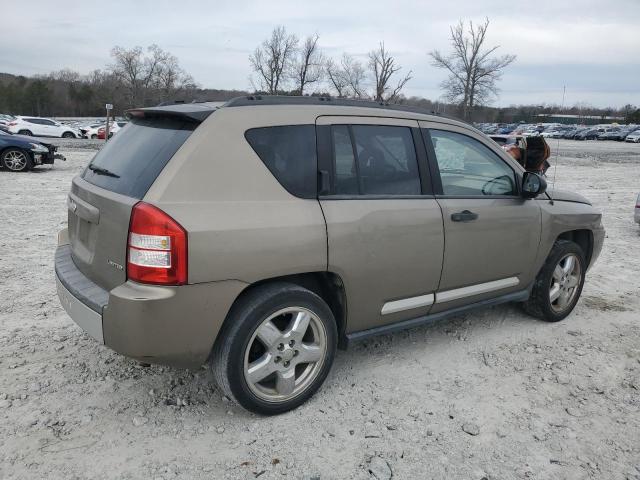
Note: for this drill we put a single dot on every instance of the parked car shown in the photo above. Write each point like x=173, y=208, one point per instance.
x=91, y=131
x=621, y=135
x=610, y=134
x=260, y=235
x=19, y=153
x=633, y=137
x=589, y=134
x=571, y=134
x=553, y=134
x=42, y=127
x=113, y=129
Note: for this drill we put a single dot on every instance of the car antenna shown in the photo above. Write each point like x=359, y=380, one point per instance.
x=555, y=164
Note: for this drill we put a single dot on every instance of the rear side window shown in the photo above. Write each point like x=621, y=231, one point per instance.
x=131, y=161
x=289, y=152
x=374, y=160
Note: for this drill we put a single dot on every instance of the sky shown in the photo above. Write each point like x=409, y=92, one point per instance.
x=590, y=47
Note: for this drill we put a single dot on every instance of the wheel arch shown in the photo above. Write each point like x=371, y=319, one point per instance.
x=327, y=285
x=584, y=239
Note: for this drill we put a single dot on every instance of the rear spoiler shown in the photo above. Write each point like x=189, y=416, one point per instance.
x=196, y=113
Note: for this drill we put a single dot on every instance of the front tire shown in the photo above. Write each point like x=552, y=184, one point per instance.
x=16, y=160
x=558, y=286
x=276, y=349
x=94, y=136
x=68, y=135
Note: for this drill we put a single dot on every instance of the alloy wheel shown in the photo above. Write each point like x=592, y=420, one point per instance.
x=15, y=160
x=565, y=282
x=285, y=354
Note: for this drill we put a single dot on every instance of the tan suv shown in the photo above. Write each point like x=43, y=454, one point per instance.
x=261, y=234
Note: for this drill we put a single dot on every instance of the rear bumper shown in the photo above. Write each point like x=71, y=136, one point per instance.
x=168, y=325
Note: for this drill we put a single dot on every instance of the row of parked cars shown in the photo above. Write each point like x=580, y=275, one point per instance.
x=46, y=127
x=628, y=133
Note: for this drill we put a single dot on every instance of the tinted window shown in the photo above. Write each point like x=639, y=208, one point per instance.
x=135, y=157
x=289, y=152
x=32, y=120
x=47, y=122
x=386, y=161
x=345, y=180
x=467, y=167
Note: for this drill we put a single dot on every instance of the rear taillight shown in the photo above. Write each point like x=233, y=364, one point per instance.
x=13, y=124
x=157, y=247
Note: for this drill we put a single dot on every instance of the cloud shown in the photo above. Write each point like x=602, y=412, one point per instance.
x=587, y=46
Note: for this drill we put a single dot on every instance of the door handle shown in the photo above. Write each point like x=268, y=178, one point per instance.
x=464, y=216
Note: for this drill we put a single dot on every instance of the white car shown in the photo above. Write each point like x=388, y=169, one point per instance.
x=91, y=131
x=115, y=127
x=42, y=127
x=635, y=138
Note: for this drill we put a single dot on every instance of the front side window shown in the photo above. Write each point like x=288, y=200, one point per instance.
x=374, y=160
x=289, y=152
x=469, y=168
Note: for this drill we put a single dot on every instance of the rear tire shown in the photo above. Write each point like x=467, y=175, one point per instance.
x=25, y=132
x=16, y=160
x=276, y=348
x=558, y=286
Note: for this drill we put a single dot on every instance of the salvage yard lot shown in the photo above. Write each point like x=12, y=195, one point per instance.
x=493, y=394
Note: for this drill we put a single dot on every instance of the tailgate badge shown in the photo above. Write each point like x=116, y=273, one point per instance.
x=115, y=265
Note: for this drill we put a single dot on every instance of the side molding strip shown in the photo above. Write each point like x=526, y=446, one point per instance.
x=407, y=304
x=519, y=296
x=457, y=293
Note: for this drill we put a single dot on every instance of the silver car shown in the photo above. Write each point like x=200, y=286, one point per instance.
x=260, y=235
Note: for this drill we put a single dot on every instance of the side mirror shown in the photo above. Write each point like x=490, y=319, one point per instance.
x=533, y=185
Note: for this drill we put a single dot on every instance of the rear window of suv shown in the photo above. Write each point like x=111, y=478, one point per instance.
x=131, y=161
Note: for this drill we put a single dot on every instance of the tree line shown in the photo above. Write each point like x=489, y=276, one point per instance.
x=287, y=65
x=135, y=77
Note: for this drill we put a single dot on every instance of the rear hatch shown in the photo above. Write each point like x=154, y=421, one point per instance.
x=118, y=177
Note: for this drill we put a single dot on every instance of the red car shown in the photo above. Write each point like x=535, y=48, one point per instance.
x=113, y=129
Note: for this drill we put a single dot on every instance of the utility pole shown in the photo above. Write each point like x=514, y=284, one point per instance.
x=109, y=107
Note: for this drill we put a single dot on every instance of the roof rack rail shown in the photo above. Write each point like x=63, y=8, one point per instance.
x=249, y=100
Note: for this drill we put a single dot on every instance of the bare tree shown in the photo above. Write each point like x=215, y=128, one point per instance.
x=355, y=75
x=148, y=77
x=473, y=72
x=272, y=59
x=128, y=69
x=348, y=77
x=308, y=67
x=336, y=77
x=384, y=67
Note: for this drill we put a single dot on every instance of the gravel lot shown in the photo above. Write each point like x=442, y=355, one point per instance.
x=494, y=394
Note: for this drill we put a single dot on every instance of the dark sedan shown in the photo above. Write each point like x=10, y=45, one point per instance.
x=587, y=134
x=20, y=154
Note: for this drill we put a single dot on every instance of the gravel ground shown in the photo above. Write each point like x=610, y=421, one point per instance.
x=494, y=394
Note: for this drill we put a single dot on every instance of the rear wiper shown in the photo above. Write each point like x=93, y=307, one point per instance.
x=103, y=171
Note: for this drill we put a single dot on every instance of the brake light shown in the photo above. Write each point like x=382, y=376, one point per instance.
x=156, y=248
x=13, y=124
